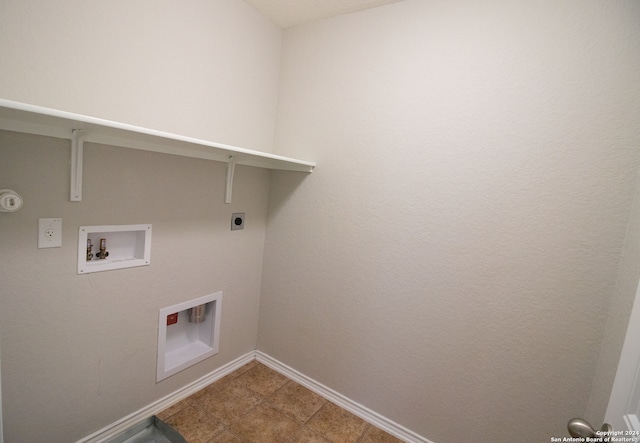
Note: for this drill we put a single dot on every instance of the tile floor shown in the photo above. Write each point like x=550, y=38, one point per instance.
x=256, y=404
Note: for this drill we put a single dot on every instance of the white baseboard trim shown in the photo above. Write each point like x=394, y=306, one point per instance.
x=130, y=420
x=355, y=408
x=114, y=429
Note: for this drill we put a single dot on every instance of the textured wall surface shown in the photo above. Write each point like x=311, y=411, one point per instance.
x=198, y=68
x=79, y=351
x=622, y=302
x=450, y=263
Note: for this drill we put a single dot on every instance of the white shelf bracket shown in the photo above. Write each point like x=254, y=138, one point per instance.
x=77, y=148
x=231, y=166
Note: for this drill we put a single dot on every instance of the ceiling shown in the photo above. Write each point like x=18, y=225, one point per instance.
x=288, y=13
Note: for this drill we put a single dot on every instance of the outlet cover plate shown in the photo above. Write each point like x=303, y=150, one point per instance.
x=49, y=233
x=237, y=221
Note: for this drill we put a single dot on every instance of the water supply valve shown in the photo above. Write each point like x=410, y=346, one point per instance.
x=103, y=249
x=89, y=247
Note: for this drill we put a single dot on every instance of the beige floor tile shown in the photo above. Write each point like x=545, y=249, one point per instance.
x=256, y=404
x=230, y=403
x=225, y=437
x=297, y=401
x=376, y=435
x=222, y=382
x=306, y=435
x=264, y=424
x=195, y=425
x=263, y=380
x=337, y=425
x=206, y=391
x=164, y=415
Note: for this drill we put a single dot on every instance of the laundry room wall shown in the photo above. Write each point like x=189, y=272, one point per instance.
x=452, y=261
x=79, y=351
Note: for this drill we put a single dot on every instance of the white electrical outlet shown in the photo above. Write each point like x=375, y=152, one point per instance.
x=49, y=232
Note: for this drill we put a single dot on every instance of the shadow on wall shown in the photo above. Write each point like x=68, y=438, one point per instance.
x=282, y=187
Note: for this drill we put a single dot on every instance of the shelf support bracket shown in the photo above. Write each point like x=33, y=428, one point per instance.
x=77, y=148
x=231, y=166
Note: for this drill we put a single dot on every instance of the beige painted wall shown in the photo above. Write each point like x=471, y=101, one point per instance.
x=622, y=302
x=451, y=262
x=79, y=351
x=206, y=69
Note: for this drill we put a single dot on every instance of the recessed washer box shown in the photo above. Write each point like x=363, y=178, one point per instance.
x=185, y=343
x=127, y=245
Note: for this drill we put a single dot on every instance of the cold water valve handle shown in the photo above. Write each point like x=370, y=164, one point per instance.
x=579, y=427
x=103, y=249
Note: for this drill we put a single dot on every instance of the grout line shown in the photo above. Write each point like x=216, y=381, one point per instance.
x=364, y=432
